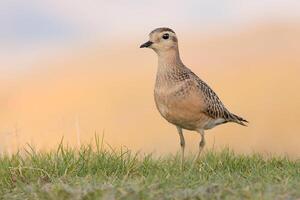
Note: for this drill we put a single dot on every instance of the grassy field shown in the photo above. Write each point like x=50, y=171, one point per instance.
x=109, y=174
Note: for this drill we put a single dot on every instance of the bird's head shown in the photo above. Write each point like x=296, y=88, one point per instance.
x=161, y=40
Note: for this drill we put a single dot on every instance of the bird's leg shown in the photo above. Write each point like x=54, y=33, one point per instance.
x=201, y=144
x=182, y=144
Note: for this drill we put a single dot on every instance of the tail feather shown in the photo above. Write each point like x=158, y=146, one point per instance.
x=238, y=119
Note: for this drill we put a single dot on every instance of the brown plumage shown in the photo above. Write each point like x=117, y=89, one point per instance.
x=181, y=97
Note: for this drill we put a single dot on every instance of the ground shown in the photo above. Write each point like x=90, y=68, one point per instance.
x=95, y=173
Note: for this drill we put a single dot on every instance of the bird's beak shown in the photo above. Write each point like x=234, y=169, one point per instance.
x=146, y=44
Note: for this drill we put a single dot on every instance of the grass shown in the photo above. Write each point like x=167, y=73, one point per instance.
x=109, y=174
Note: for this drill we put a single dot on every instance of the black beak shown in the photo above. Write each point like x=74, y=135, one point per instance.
x=146, y=44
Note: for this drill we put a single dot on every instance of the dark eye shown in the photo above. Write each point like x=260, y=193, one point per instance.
x=165, y=36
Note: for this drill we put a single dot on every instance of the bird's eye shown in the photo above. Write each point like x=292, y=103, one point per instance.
x=165, y=36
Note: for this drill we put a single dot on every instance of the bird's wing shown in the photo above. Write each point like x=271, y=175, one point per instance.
x=214, y=108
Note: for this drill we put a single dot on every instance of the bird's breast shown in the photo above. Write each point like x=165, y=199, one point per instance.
x=179, y=105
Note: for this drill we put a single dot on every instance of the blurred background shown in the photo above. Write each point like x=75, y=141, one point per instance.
x=74, y=69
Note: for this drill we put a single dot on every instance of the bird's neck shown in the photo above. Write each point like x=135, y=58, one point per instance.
x=169, y=60
x=169, y=66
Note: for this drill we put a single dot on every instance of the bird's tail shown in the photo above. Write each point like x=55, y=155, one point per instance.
x=238, y=119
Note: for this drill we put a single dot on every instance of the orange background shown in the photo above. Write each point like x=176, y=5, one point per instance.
x=107, y=87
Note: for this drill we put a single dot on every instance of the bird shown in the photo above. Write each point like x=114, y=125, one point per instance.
x=181, y=97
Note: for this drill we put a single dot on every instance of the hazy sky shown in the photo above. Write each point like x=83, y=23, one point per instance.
x=54, y=71
x=31, y=28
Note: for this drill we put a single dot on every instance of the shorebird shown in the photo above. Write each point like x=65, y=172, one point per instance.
x=181, y=97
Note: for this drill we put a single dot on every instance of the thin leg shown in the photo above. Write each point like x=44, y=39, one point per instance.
x=182, y=144
x=201, y=143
